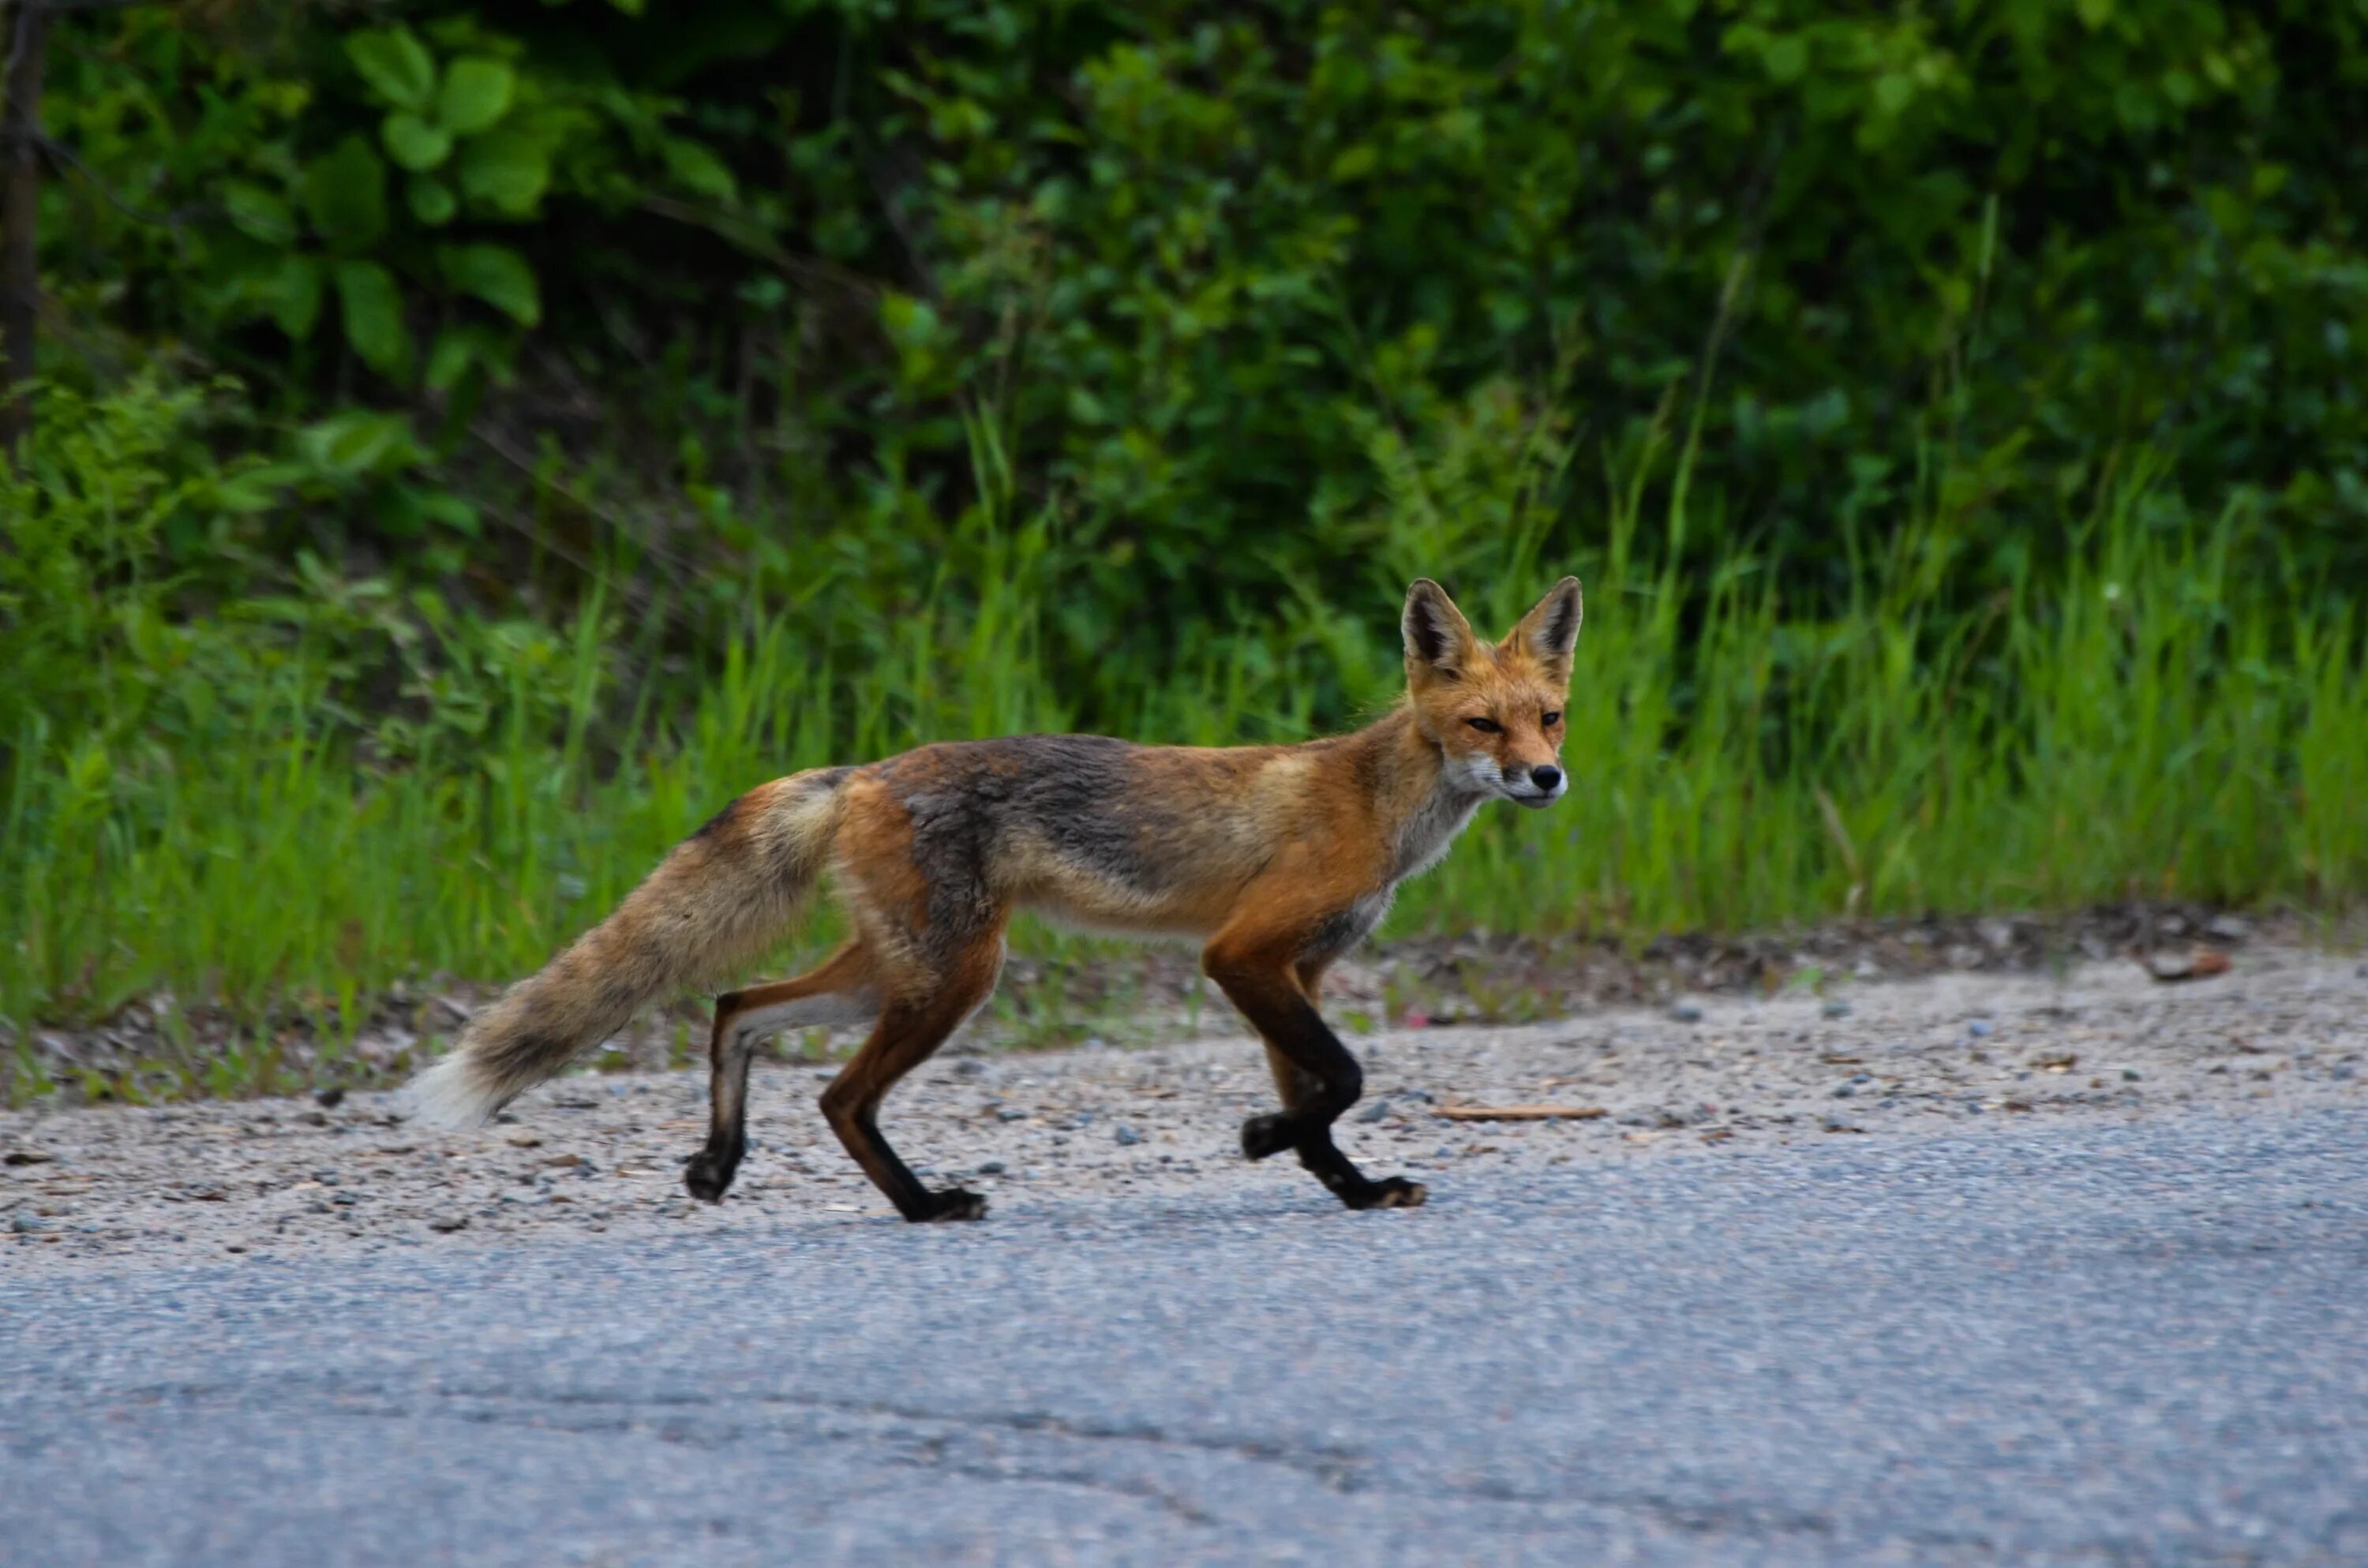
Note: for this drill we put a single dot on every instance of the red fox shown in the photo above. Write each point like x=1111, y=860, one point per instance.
x=1280, y=858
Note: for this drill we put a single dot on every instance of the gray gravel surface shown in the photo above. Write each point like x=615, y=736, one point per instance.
x=602, y=1154
x=2125, y=1327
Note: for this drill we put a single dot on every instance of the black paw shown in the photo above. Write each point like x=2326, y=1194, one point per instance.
x=954, y=1203
x=1390, y=1192
x=1268, y=1134
x=709, y=1174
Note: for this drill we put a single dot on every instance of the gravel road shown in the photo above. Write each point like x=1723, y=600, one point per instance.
x=2123, y=1326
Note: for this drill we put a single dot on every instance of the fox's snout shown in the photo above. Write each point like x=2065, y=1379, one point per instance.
x=1535, y=785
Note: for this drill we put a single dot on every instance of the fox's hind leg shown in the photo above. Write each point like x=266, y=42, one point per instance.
x=837, y=993
x=915, y=1020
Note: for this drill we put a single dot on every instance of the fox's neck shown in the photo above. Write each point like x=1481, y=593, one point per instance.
x=1418, y=806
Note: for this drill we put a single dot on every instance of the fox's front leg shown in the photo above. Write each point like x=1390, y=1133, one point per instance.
x=1319, y=1077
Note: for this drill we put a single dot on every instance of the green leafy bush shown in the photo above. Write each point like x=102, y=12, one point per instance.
x=1193, y=263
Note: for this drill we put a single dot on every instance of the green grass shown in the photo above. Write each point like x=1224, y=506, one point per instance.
x=2160, y=712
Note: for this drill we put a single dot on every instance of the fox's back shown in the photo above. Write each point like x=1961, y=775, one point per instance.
x=1101, y=831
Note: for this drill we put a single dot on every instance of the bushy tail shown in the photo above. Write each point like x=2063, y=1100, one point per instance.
x=719, y=899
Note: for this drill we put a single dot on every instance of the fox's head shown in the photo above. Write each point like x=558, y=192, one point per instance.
x=1496, y=712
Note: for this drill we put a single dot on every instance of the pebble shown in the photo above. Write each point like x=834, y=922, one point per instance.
x=1127, y=1136
x=330, y=1097
x=1686, y=1013
x=24, y=1224
x=448, y=1222
x=1837, y=1008
x=1979, y=1028
x=1376, y=1111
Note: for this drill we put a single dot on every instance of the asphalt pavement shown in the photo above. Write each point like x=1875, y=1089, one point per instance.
x=2108, y=1344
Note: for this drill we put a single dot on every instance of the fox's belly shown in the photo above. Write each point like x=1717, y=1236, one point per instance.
x=1181, y=899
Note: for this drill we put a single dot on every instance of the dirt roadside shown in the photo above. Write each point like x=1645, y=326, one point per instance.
x=111, y=1186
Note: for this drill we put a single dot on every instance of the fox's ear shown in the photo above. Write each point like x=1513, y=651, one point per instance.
x=1550, y=630
x=1439, y=640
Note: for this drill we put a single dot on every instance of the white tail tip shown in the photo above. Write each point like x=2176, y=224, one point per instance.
x=448, y=1095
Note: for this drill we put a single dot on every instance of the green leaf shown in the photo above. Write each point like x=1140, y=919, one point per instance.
x=1785, y=58
x=345, y=194
x=495, y=274
x=358, y=444
x=477, y=93
x=373, y=317
x=432, y=201
x=506, y=170
x=916, y=330
x=396, y=65
x=256, y=488
x=413, y=142
x=455, y=350
x=1354, y=163
x=909, y=323
x=259, y=214
x=697, y=169
x=294, y=296
x=455, y=512
x=469, y=347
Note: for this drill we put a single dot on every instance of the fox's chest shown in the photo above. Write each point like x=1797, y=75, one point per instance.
x=1427, y=836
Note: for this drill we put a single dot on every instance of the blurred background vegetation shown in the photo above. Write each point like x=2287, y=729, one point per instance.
x=471, y=442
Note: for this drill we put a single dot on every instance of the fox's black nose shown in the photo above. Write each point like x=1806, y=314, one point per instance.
x=1546, y=778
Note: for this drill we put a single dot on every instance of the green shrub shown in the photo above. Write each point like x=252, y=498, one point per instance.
x=1191, y=264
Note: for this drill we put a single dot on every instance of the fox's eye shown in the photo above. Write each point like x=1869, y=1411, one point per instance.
x=1551, y=719
x=1486, y=726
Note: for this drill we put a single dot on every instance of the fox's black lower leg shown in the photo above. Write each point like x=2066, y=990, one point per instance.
x=1270, y=1134
x=908, y=1031
x=834, y=994
x=1320, y=1080
x=707, y=1174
